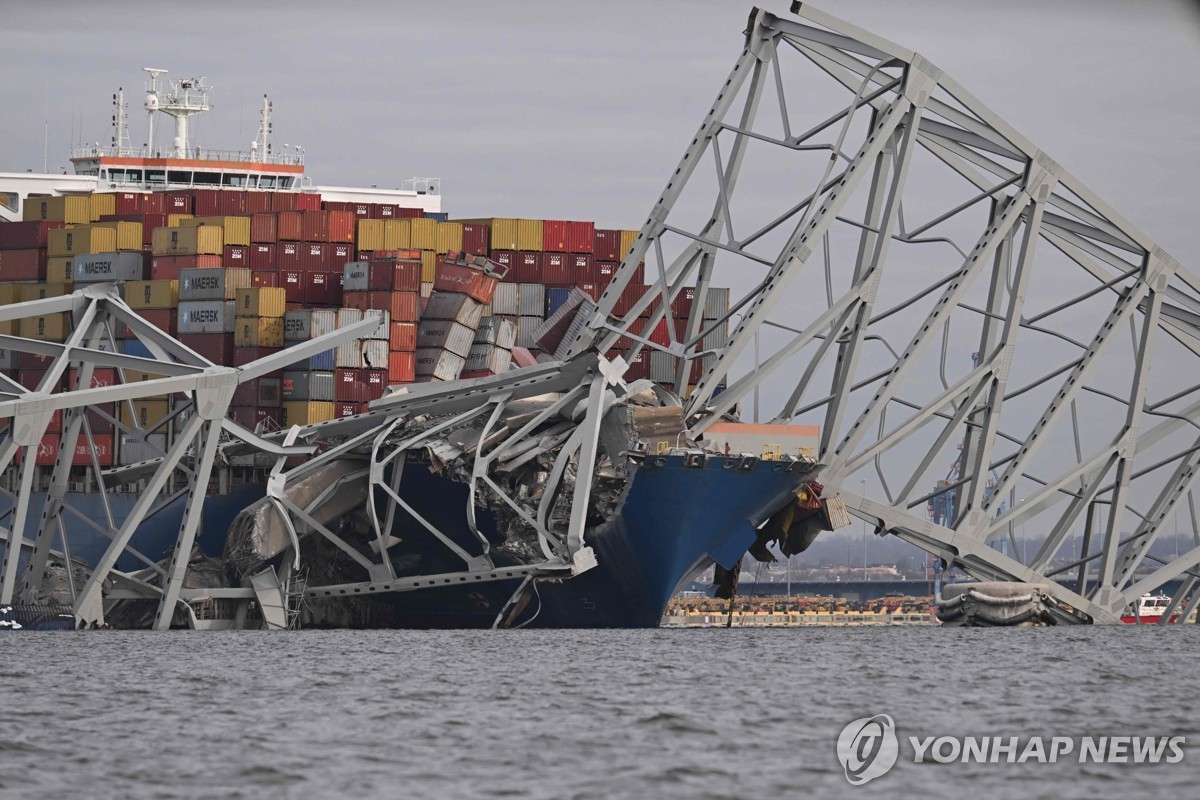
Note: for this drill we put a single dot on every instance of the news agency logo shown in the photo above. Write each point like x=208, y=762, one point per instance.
x=868, y=748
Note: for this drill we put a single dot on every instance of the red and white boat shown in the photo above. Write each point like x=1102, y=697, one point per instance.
x=1149, y=610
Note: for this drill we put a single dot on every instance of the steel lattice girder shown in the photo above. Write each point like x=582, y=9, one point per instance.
x=1073, y=314
x=208, y=388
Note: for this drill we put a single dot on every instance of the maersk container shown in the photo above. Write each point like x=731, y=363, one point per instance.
x=489, y=358
x=82, y=239
x=455, y=307
x=309, y=323
x=506, y=299
x=212, y=284
x=206, y=316
x=532, y=300
x=442, y=365
x=105, y=267
x=446, y=335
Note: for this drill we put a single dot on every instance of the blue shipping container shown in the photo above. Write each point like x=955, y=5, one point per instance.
x=555, y=298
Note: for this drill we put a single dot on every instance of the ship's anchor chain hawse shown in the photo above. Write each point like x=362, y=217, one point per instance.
x=1000, y=365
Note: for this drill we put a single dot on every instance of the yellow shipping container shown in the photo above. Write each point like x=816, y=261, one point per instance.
x=237, y=229
x=429, y=264
x=449, y=236
x=397, y=234
x=61, y=269
x=424, y=233
x=627, y=240
x=40, y=291
x=82, y=239
x=258, y=332
x=184, y=241
x=176, y=220
x=48, y=328
x=129, y=234
x=370, y=235
x=261, y=301
x=101, y=204
x=144, y=414
x=10, y=293
x=71, y=209
x=529, y=234
x=504, y=233
x=152, y=294
x=304, y=412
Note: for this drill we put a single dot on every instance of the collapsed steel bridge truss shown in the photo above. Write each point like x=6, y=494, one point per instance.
x=932, y=290
x=970, y=327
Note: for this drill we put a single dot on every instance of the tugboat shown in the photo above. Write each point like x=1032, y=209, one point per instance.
x=1149, y=610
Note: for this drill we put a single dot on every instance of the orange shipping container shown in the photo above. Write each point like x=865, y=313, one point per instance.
x=403, y=337
x=405, y=306
x=401, y=367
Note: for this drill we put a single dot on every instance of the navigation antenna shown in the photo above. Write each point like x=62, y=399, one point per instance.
x=261, y=146
x=152, y=105
x=120, y=141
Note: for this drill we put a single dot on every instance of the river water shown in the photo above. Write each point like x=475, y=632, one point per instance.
x=580, y=714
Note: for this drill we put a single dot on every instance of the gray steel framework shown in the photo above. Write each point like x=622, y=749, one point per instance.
x=1012, y=257
x=794, y=191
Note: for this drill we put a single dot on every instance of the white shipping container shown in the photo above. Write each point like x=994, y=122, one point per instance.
x=718, y=338
x=349, y=355
x=356, y=276
x=385, y=324
x=348, y=316
x=206, y=316
x=532, y=297
x=445, y=335
x=134, y=450
x=439, y=364
x=374, y=353
x=526, y=331
x=456, y=307
x=426, y=288
x=506, y=299
x=300, y=326
x=716, y=302
x=663, y=366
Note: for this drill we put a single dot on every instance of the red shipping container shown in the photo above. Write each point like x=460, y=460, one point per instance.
x=232, y=203
x=101, y=444
x=343, y=410
x=401, y=367
x=307, y=201
x=294, y=285
x=581, y=269
x=527, y=268
x=322, y=288
x=593, y=290
x=267, y=278
x=603, y=271
x=287, y=256
x=379, y=275
x=128, y=202
x=245, y=355
x=347, y=388
x=508, y=260
x=360, y=210
x=289, y=226
x=22, y=265
x=338, y=255
x=341, y=227
x=262, y=228
x=262, y=257
x=407, y=213
x=154, y=203
x=681, y=306
x=475, y=238
x=178, y=203
x=312, y=257
x=403, y=337
x=257, y=202
x=96, y=422
x=639, y=366
x=464, y=280
x=555, y=270
x=236, y=255
x=149, y=223
x=206, y=202
x=581, y=237
x=381, y=301
x=283, y=201
x=216, y=347
x=385, y=211
x=26, y=235
x=554, y=236
x=405, y=306
x=374, y=384
x=166, y=268
x=406, y=276
x=101, y=376
x=315, y=226
x=251, y=417
x=632, y=293
x=162, y=318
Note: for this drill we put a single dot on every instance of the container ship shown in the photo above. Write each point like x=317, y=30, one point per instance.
x=237, y=256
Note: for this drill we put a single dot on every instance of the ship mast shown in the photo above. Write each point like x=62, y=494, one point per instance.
x=261, y=146
x=152, y=104
x=120, y=141
x=187, y=98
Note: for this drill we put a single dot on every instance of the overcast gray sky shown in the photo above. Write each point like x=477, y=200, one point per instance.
x=580, y=110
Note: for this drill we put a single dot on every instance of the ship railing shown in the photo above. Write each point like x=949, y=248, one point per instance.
x=198, y=154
